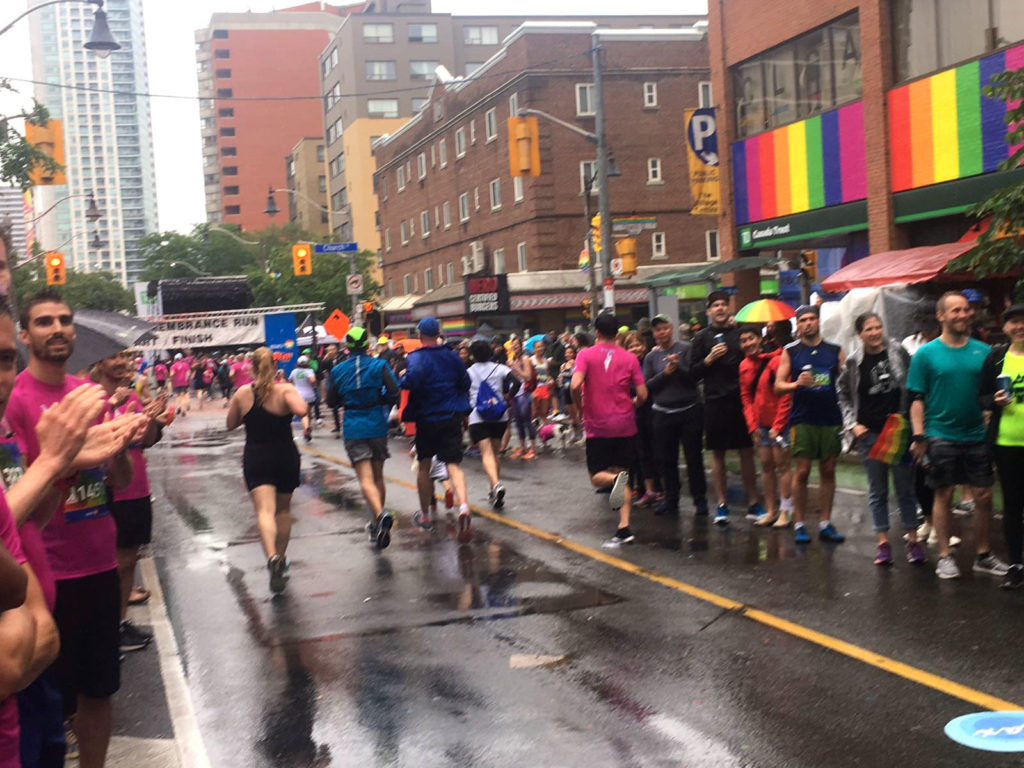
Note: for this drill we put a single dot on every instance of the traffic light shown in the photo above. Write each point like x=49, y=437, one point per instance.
x=56, y=274
x=595, y=233
x=302, y=259
x=586, y=308
x=809, y=264
x=625, y=249
x=523, y=146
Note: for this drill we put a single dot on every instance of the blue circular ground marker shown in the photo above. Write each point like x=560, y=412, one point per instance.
x=991, y=731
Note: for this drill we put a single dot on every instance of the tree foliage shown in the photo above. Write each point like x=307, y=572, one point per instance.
x=84, y=290
x=997, y=253
x=18, y=158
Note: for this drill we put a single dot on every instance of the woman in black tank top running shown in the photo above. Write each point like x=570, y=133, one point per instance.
x=270, y=461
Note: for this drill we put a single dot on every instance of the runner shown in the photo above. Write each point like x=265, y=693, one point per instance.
x=160, y=376
x=488, y=421
x=522, y=405
x=808, y=370
x=303, y=377
x=602, y=384
x=716, y=360
x=438, y=387
x=873, y=400
x=270, y=462
x=366, y=388
x=181, y=375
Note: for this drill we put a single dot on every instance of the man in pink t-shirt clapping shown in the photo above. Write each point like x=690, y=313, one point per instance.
x=608, y=385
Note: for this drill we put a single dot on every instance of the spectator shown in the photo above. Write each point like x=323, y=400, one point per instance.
x=644, y=474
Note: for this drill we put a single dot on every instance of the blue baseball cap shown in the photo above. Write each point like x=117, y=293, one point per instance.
x=428, y=326
x=973, y=295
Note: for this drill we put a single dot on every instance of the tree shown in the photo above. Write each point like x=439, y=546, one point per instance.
x=18, y=158
x=326, y=284
x=999, y=250
x=84, y=290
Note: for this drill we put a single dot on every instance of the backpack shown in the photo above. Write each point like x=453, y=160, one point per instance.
x=489, y=404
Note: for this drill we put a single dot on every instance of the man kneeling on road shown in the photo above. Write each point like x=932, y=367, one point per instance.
x=366, y=388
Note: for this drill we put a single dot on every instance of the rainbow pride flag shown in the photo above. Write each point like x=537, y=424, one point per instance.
x=800, y=167
x=893, y=441
x=942, y=128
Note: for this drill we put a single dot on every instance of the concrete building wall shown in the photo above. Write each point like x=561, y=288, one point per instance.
x=306, y=178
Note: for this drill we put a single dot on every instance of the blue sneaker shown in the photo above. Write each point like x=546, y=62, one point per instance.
x=701, y=507
x=722, y=515
x=829, y=533
x=754, y=511
x=800, y=535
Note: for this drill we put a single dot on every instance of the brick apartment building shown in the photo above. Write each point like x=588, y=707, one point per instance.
x=244, y=55
x=857, y=127
x=450, y=209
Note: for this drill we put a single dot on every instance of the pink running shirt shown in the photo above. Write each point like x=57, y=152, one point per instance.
x=242, y=373
x=9, y=733
x=611, y=374
x=179, y=374
x=138, y=488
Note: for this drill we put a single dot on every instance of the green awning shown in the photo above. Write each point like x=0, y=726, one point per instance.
x=702, y=273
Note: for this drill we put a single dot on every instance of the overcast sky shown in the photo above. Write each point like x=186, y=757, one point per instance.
x=170, y=25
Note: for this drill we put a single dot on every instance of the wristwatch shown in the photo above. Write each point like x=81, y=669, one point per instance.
x=917, y=438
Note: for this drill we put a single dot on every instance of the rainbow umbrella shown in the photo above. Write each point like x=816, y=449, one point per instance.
x=765, y=311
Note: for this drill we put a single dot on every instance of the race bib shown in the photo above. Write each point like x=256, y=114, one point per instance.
x=12, y=463
x=87, y=497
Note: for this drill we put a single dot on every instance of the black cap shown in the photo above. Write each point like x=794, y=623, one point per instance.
x=808, y=309
x=659, y=319
x=1014, y=310
x=717, y=296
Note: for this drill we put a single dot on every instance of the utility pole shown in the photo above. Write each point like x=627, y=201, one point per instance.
x=603, y=202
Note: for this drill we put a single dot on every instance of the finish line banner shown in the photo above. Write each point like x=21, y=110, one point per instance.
x=220, y=330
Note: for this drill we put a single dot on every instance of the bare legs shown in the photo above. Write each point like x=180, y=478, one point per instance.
x=371, y=481
x=93, y=722
x=747, y=471
x=606, y=479
x=273, y=517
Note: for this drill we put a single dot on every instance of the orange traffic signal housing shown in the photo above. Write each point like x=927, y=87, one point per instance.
x=524, y=146
x=56, y=273
x=302, y=259
x=626, y=251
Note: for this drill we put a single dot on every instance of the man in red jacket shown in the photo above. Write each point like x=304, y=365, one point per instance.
x=767, y=416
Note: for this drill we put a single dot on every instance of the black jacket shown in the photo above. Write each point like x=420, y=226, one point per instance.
x=987, y=389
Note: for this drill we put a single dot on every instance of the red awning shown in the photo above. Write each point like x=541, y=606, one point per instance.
x=913, y=265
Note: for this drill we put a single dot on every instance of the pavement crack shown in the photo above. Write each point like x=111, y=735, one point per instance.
x=723, y=612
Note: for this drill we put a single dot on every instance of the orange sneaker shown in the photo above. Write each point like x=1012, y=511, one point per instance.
x=515, y=454
x=529, y=455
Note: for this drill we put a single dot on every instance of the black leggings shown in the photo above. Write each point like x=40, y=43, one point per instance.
x=1009, y=460
x=925, y=495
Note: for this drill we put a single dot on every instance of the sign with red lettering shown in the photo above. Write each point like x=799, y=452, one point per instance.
x=487, y=295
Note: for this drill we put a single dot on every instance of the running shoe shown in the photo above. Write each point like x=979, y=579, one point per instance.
x=465, y=533
x=643, y=499
x=722, y=515
x=530, y=455
x=767, y=519
x=700, y=507
x=924, y=531
x=71, y=740
x=989, y=563
x=423, y=520
x=1013, y=578
x=665, y=509
x=384, y=523
x=829, y=533
x=947, y=568
x=883, y=555
x=371, y=530
x=915, y=553
x=622, y=536
x=800, y=535
x=449, y=499
x=515, y=453
x=755, y=511
x=964, y=508
x=617, y=497
x=498, y=496
x=276, y=567
x=133, y=638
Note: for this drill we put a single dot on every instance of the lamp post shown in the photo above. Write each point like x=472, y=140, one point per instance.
x=588, y=189
x=101, y=41
x=92, y=212
x=603, y=201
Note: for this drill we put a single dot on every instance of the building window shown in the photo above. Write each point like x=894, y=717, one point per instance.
x=446, y=214
x=423, y=33
x=422, y=70
x=338, y=200
x=332, y=97
x=222, y=53
x=232, y=210
x=585, y=104
x=223, y=74
x=658, y=245
x=379, y=33
x=650, y=95
x=472, y=131
x=320, y=153
x=401, y=177
x=381, y=70
x=407, y=284
x=513, y=105
x=476, y=199
x=499, y=261
x=227, y=131
x=464, y=207
x=472, y=67
x=421, y=165
x=495, y=194
x=404, y=230
x=437, y=217
x=321, y=182
x=228, y=112
x=442, y=151
x=704, y=98
x=588, y=170
x=229, y=151
x=433, y=156
x=654, y=171
x=491, y=124
x=480, y=35
x=451, y=272
x=813, y=73
x=229, y=170
x=460, y=143
x=387, y=239
x=383, y=185
x=521, y=256
x=428, y=279
x=225, y=93
x=220, y=34
x=228, y=191
x=335, y=168
x=517, y=189
x=425, y=224
x=382, y=107
x=711, y=244
x=419, y=103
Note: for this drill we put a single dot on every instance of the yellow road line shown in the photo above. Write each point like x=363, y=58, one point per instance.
x=863, y=655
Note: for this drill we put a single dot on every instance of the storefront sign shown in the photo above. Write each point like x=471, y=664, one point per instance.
x=206, y=330
x=702, y=154
x=487, y=294
x=804, y=227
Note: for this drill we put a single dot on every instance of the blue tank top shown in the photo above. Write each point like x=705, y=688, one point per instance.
x=818, y=404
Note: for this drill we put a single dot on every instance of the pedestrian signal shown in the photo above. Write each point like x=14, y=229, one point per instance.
x=302, y=259
x=56, y=274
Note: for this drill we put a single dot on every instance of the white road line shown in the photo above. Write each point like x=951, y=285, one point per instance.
x=187, y=737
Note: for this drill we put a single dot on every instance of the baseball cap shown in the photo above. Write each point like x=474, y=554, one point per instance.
x=717, y=296
x=428, y=326
x=303, y=360
x=973, y=295
x=1014, y=310
x=659, y=319
x=356, y=338
x=178, y=356
x=807, y=309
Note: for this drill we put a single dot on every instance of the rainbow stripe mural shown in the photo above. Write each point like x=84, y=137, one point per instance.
x=799, y=167
x=942, y=128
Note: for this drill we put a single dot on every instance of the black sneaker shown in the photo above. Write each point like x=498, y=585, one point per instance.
x=371, y=530
x=622, y=536
x=132, y=638
x=276, y=567
x=667, y=510
x=384, y=524
x=1014, y=578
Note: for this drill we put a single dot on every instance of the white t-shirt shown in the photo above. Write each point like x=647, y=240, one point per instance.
x=495, y=374
x=304, y=380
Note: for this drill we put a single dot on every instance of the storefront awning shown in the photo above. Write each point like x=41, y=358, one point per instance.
x=400, y=303
x=702, y=273
x=911, y=265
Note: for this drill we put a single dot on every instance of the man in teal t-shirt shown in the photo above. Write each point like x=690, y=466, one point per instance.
x=949, y=429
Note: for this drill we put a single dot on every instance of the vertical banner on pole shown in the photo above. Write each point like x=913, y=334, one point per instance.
x=281, y=340
x=702, y=155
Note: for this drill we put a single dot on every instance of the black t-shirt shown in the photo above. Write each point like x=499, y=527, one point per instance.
x=878, y=391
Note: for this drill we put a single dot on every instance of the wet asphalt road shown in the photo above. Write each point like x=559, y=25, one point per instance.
x=516, y=651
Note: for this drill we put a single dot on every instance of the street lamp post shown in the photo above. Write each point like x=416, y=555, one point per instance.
x=92, y=212
x=101, y=41
x=603, y=200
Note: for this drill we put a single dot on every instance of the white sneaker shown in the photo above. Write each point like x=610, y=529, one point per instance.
x=990, y=564
x=924, y=530
x=947, y=568
x=618, y=495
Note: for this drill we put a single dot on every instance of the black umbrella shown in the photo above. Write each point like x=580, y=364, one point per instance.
x=100, y=334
